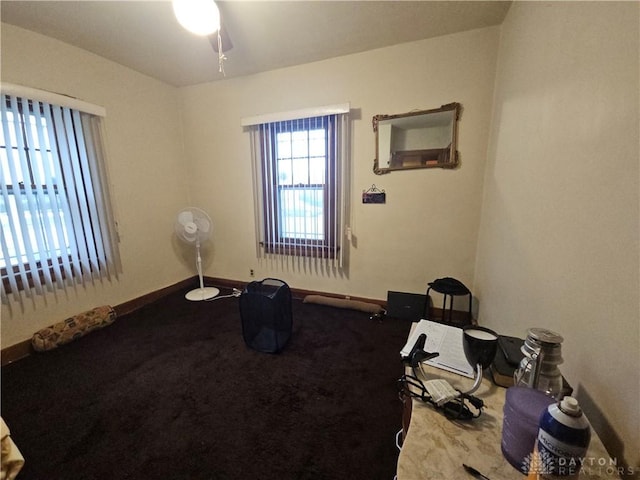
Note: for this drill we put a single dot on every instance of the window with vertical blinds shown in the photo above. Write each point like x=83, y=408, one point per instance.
x=57, y=226
x=300, y=184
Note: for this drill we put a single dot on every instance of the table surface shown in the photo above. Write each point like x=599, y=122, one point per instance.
x=435, y=447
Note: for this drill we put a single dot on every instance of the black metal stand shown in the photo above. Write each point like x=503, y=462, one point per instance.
x=449, y=288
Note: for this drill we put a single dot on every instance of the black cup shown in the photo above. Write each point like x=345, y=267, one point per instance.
x=480, y=345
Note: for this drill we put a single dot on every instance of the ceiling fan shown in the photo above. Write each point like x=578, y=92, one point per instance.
x=202, y=17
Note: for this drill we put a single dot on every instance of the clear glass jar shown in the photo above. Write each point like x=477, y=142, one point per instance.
x=539, y=367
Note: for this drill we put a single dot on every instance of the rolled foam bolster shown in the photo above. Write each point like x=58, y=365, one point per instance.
x=344, y=303
x=75, y=327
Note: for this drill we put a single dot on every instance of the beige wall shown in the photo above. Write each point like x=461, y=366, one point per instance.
x=428, y=227
x=556, y=242
x=150, y=168
x=146, y=170
x=559, y=233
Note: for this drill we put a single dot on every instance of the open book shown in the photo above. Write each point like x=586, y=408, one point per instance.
x=447, y=341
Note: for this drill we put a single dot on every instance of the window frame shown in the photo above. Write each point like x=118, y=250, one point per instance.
x=46, y=268
x=327, y=247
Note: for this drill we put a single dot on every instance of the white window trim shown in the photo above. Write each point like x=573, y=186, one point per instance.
x=295, y=114
x=52, y=98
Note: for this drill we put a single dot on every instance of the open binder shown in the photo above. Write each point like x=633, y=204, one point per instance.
x=447, y=341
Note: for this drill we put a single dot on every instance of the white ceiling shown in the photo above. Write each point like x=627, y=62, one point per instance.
x=144, y=35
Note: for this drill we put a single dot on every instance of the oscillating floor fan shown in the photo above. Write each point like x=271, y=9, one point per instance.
x=193, y=226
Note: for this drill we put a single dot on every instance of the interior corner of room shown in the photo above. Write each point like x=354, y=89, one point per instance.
x=540, y=218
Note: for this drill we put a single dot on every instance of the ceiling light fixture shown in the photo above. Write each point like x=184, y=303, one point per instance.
x=201, y=17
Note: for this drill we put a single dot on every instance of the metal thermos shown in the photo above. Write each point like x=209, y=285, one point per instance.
x=539, y=367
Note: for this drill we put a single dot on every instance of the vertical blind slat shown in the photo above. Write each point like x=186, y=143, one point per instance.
x=77, y=198
x=20, y=229
x=109, y=234
x=87, y=205
x=272, y=219
x=66, y=226
x=257, y=189
x=38, y=224
x=71, y=197
x=5, y=197
x=5, y=252
x=53, y=224
x=102, y=250
x=336, y=192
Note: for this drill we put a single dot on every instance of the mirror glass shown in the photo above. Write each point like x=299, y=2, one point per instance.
x=420, y=139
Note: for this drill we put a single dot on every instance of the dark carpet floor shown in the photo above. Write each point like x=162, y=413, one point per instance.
x=172, y=392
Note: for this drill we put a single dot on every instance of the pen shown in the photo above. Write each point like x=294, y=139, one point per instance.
x=474, y=472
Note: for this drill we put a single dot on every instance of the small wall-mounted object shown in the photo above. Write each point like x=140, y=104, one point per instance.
x=373, y=195
x=418, y=139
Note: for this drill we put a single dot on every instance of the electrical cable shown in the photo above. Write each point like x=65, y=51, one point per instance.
x=455, y=409
x=236, y=293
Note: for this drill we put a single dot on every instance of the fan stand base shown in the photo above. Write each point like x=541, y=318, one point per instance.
x=205, y=293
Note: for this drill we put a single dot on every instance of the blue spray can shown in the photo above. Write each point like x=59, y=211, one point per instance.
x=563, y=437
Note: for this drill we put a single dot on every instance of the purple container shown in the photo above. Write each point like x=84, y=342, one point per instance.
x=523, y=408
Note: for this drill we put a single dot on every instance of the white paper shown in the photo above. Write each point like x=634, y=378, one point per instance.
x=447, y=341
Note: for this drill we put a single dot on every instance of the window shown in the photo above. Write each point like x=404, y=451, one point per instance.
x=56, y=221
x=302, y=156
x=300, y=184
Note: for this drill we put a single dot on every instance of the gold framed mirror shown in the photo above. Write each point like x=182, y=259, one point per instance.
x=419, y=139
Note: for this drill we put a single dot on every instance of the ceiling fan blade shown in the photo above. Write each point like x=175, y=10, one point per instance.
x=224, y=36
